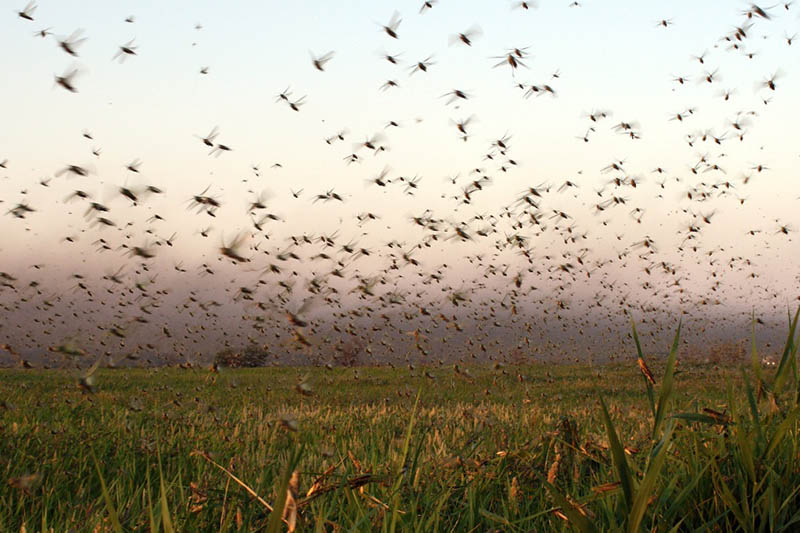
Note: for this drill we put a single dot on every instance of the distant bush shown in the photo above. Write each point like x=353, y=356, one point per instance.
x=252, y=356
x=726, y=352
x=349, y=353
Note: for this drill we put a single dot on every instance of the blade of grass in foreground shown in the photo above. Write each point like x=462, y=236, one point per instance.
x=112, y=512
x=781, y=431
x=241, y=483
x=698, y=417
x=575, y=517
x=755, y=363
x=677, y=502
x=649, y=482
x=666, y=384
x=618, y=453
x=751, y=400
x=740, y=512
x=399, y=480
x=166, y=519
x=282, y=487
x=742, y=439
x=789, y=351
x=494, y=517
x=274, y=524
x=640, y=354
x=150, y=503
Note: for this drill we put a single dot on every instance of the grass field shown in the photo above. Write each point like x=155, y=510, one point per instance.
x=529, y=448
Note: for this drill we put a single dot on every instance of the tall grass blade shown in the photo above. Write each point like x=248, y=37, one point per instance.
x=166, y=518
x=781, y=431
x=282, y=486
x=666, y=384
x=399, y=480
x=698, y=417
x=648, y=484
x=742, y=439
x=678, y=503
x=640, y=355
x=618, y=453
x=732, y=502
x=150, y=503
x=753, y=404
x=112, y=512
x=576, y=518
x=230, y=474
x=755, y=362
x=788, y=351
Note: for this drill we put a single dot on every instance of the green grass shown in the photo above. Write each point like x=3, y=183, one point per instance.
x=529, y=448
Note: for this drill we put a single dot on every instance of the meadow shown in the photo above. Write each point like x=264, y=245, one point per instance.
x=651, y=444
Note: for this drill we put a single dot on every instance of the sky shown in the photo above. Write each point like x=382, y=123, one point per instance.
x=713, y=222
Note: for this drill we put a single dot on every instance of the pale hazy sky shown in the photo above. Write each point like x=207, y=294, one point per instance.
x=609, y=55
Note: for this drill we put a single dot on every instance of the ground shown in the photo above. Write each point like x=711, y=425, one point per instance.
x=428, y=448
